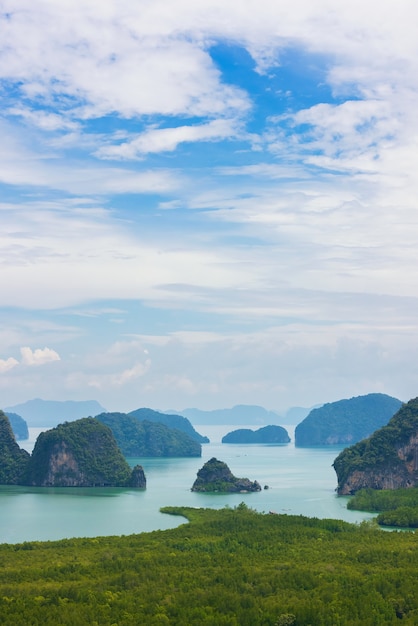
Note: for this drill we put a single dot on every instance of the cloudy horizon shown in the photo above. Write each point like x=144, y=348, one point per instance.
x=208, y=204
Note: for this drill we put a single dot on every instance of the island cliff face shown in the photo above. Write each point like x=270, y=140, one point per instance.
x=346, y=421
x=215, y=476
x=82, y=453
x=386, y=460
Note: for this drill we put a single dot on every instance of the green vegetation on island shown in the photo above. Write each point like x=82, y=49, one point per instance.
x=346, y=421
x=82, y=453
x=396, y=507
x=268, y=434
x=171, y=420
x=216, y=477
x=386, y=460
x=228, y=567
x=13, y=460
x=149, y=439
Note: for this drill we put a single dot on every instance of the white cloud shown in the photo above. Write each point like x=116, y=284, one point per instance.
x=130, y=374
x=88, y=55
x=38, y=356
x=351, y=135
x=296, y=246
x=167, y=139
x=7, y=364
x=22, y=164
x=43, y=120
x=110, y=375
x=60, y=52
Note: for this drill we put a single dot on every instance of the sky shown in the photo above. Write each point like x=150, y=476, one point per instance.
x=210, y=203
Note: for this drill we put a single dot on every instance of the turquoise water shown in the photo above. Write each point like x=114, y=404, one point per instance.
x=300, y=480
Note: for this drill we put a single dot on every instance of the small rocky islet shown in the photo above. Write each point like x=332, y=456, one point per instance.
x=272, y=435
x=216, y=477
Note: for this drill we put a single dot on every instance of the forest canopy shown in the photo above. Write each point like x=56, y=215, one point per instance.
x=228, y=567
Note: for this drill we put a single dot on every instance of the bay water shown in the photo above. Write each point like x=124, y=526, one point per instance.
x=300, y=481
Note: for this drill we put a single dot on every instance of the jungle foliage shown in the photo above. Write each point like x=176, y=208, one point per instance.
x=171, y=420
x=14, y=461
x=381, y=448
x=143, y=438
x=91, y=443
x=396, y=507
x=267, y=434
x=215, y=476
x=346, y=421
x=229, y=567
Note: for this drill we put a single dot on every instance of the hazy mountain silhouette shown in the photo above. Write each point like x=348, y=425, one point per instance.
x=52, y=412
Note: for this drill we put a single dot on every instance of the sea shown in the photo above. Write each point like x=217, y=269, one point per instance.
x=294, y=481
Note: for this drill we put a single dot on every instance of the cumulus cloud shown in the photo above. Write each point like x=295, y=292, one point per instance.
x=7, y=364
x=97, y=71
x=39, y=356
x=306, y=226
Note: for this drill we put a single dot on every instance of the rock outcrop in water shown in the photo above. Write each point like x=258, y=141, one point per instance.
x=82, y=453
x=268, y=434
x=346, y=421
x=13, y=460
x=215, y=476
x=138, y=479
x=386, y=460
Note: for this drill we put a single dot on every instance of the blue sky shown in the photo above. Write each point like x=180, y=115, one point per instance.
x=208, y=203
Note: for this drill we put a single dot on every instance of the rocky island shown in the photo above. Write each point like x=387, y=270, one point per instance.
x=215, y=476
x=138, y=438
x=386, y=460
x=346, y=421
x=82, y=453
x=171, y=420
x=268, y=434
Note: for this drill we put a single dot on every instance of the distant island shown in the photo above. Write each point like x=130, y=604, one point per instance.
x=386, y=460
x=215, y=476
x=239, y=414
x=143, y=438
x=267, y=434
x=42, y=413
x=82, y=453
x=19, y=426
x=346, y=421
